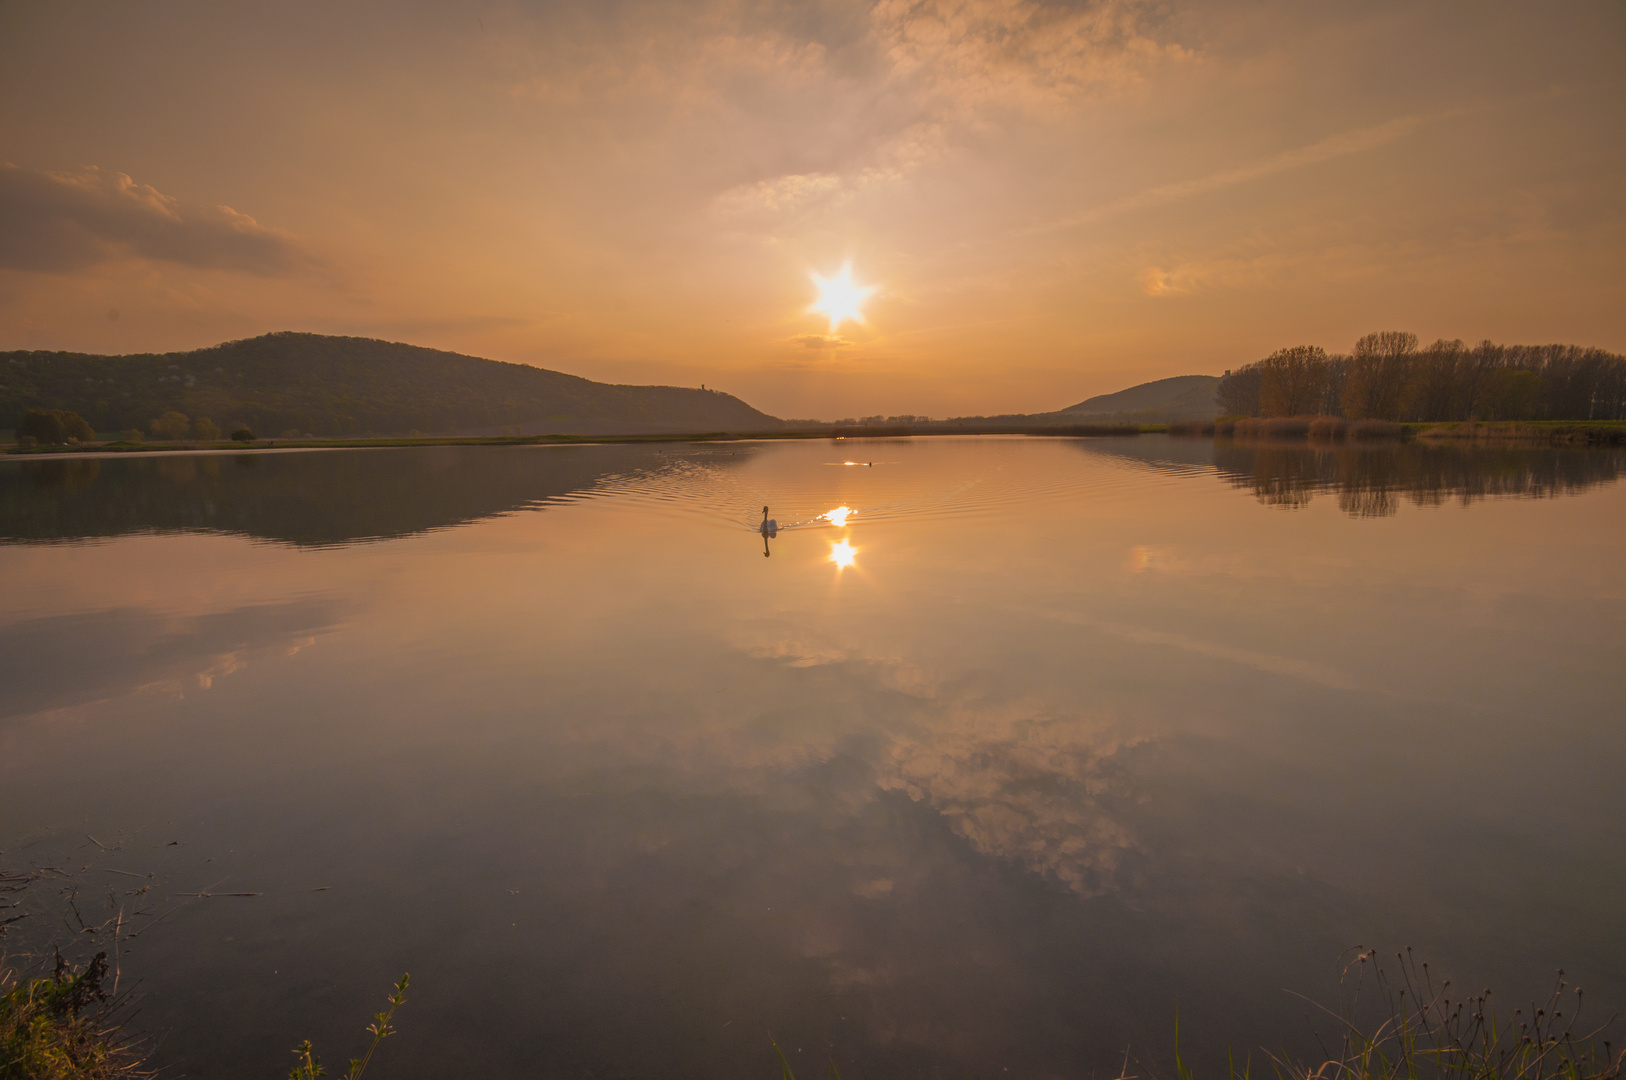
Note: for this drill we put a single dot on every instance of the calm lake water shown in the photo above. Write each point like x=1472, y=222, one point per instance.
x=1084, y=732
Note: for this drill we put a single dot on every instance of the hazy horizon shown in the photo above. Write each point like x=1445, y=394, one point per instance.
x=1051, y=201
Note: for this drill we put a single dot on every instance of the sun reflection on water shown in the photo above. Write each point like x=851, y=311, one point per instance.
x=838, y=517
x=842, y=554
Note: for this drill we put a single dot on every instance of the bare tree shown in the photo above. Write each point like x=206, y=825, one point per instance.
x=1293, y=381
x=1376, y=382
x=1238, y=392
x=1434, y=383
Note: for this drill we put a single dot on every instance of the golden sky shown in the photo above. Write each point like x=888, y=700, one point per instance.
x=1052, y=199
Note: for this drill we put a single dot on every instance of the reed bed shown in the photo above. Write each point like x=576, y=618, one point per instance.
x=1418, y=1029
x=1329, y=427
x=1604, y=432
x=1376, y=429
x=1322, y=428
x=1317, y=427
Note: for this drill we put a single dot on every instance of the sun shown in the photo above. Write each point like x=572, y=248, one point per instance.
x=839, y=297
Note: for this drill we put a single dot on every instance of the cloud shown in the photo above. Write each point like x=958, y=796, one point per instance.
x=62, y=222
x=766, y=200
x=455, y=324
x=1334, y=146
x=797, y=112
x=822, y=341
x=796, y=197
x=1205, y=276
x=1156, y=281
x=1018, y=52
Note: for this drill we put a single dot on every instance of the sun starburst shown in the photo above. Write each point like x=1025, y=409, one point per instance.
x=839, y=298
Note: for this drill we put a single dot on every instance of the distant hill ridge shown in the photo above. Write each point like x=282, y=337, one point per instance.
x=1183, y=397
x=340, y=386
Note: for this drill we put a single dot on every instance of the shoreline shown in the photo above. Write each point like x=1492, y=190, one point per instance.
x=1285, y=429
x=263, y=445
x=1331, y=430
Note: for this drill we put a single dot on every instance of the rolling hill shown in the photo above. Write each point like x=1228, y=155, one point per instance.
x=338, y=386
x=1184, y=397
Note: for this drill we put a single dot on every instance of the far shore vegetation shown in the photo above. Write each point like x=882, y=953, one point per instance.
x=1324, y=429
x=1388, y=378
x=193, y=438
x=311, y=389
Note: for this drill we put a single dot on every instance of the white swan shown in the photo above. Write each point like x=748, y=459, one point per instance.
x=769, y=526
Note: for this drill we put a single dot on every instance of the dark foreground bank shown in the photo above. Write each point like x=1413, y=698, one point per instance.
x=1396, y=1024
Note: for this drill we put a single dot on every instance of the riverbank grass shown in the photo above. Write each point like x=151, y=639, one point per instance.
x=54, y=1028
x=1414, y=1028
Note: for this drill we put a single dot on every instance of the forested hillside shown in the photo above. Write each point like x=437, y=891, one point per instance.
x=1183, y=397
x=351, y=386
x=1388, y=377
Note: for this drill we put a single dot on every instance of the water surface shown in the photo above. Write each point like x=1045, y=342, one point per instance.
x=1088, y=731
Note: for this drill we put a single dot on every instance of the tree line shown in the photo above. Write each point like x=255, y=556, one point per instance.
x=1387, y=377
x=54, y=426
x=57, y=427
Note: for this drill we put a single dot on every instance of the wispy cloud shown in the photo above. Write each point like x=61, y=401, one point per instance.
x=1334, y=146
x=62, y=222
x=822, y=341
x=1018, y=52
x=802, y=113
x=781, y=196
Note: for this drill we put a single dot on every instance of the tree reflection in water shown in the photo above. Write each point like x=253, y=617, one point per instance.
x=1370, y=481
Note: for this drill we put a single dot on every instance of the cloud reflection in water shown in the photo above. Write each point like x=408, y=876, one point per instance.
x=1028, y=788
